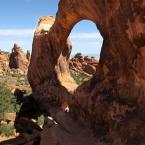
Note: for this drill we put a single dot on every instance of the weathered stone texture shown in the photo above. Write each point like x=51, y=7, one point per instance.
x=113, y=101
x=18, y=59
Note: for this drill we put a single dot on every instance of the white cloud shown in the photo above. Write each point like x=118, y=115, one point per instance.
x=7, y=45
x=2, y=42
x=16, y=32
x=83, y=35
x=30, y=32
x=84, y=42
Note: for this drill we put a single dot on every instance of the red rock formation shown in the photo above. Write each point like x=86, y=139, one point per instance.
x=18, y=59
x=86, y=64
x=28, y=55
x=113, y=101
x=4, y=64
x=41, y=53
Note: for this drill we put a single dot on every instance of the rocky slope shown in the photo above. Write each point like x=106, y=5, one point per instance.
x=83, y=63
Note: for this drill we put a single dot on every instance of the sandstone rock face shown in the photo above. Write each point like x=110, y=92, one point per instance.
x=28, y=55
x=4, y=64
x=18, y=59
x=67, y=132
x=59, y=74
x=113, y=101
x=83, y=63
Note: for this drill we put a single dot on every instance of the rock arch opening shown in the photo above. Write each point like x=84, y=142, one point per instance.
x=113, y=101
x=86, y=47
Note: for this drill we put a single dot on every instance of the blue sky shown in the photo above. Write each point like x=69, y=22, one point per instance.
x=18, y=20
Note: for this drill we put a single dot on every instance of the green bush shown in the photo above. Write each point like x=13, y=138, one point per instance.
x=7, y=102
x=40, y=120
x=79, y=77
x=7, y=130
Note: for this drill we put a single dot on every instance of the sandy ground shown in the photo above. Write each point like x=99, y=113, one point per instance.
x=3, y=138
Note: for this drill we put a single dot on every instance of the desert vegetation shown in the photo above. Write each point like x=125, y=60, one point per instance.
x=8, y=102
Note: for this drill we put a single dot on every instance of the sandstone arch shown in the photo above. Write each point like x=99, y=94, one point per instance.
x=114, y=99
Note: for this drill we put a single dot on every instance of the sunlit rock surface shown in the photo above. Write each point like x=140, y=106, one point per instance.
x=18, y=59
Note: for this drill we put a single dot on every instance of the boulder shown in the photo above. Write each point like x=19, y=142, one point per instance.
x=18, y=59
x=10, y=116
x=78, y=55
x=90, y=69
x=66, y=131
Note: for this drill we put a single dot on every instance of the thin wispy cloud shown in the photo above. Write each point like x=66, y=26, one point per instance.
x=83, y=42
x=82, y=35
x=7, y=45
x=13, y=41
x=16, y=32
x=23, y=37
x=27, y=32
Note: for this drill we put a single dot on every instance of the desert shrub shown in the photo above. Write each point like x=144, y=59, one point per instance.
x=40, y=120
x=16, y=74
x=7, y=102
x=6, y=130
x=79, y=77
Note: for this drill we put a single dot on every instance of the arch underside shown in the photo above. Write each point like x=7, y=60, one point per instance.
x=114, y=99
